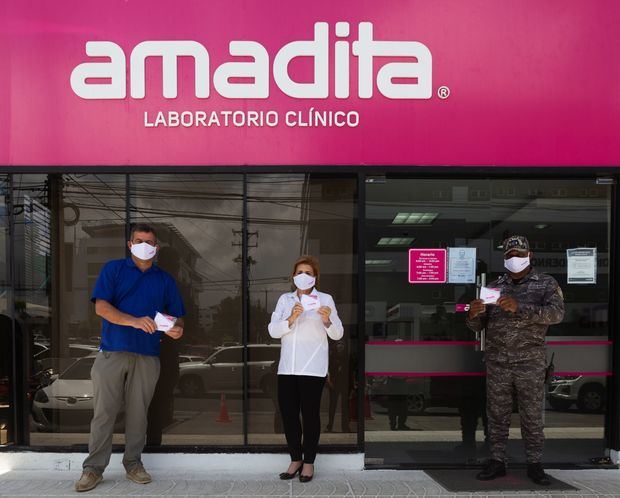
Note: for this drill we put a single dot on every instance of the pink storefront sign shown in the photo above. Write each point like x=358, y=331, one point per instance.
x=322, y=83
x=427, y=266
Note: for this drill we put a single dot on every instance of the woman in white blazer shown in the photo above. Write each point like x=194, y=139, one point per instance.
x=303, y=320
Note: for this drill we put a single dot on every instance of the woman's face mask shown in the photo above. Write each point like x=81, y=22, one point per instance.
x=143, y=251
x=304, y=281
x=516, y=264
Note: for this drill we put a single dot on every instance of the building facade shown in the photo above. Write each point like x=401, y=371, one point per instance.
x=399, y=142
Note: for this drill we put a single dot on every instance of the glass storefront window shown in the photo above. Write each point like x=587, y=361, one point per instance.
x=198, y=219
x=90, y=221
x=425, y=385
x=199, y=224
x=292, y=215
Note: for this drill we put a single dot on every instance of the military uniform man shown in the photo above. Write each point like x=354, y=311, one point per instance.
x=515, y=355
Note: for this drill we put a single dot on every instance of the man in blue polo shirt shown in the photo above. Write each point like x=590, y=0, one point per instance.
x=127, y=296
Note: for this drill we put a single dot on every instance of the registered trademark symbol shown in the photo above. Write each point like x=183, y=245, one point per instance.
x=443, y=92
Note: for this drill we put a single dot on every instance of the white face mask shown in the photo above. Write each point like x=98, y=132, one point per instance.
x=143, y=251
x=304, y=281
x=517, y=265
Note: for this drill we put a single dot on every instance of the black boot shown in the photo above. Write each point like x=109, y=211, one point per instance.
x=537, y=474
x=493, y=470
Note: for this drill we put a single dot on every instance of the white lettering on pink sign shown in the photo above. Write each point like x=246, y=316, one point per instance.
x=365, y=48
x=427, y=266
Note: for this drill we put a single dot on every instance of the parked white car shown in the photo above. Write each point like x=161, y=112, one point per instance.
x=66, y=403
x=588, y=393
x=223, y=370
x=187, y=358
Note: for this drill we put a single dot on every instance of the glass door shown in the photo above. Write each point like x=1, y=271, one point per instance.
x=425, y=372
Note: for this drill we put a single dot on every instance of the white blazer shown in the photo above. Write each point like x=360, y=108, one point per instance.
x=305, y=349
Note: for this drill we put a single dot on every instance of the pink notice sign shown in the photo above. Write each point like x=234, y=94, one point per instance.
x=324, y=83
x=427, y=266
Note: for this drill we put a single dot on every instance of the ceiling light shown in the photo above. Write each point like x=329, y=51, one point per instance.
x=395, y=241
x=378, y=262
x=414, y=218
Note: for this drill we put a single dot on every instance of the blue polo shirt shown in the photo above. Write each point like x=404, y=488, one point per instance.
x=137, y=293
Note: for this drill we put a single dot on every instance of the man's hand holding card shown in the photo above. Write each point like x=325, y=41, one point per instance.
x=167, y=325
x=490, y=295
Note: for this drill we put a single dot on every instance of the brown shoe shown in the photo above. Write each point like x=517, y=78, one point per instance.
x=88, y=481
x=139, y=475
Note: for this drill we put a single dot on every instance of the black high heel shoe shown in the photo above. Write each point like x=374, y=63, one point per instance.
x=303, y=478
x=285, y=476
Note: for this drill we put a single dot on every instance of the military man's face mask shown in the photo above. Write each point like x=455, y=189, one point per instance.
x=516, y=264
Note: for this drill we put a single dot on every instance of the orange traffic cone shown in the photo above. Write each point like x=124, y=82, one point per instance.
x=223, y=418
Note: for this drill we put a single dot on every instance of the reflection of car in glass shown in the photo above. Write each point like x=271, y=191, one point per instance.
x=186, y=358
x=223, y=370
x=39, y=349
x=588, y=393
x=417, y=390
x=67, y=401
x=42, y=351
x=47, y=367
x=40, y=338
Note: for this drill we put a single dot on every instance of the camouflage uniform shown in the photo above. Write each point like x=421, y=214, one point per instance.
x=516, y=356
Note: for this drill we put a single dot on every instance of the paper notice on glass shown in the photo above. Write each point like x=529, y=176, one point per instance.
x=461, y=265
x=164, y=322
x=489, y=295
x=581, y=265
x=310, y=302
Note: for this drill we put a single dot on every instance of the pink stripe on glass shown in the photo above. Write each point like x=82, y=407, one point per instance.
x=425, y=374
x=583, y=374
x=474, y=374
x=579, y=343
x=421, y=343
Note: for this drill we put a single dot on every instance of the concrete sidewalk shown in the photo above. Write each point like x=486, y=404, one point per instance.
x=246, y=482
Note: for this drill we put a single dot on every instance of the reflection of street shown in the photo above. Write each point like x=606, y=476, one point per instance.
x=198, y=415
x=435, y=420
x=195, y=423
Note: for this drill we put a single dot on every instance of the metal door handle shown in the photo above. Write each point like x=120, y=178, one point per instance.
x=481, y=281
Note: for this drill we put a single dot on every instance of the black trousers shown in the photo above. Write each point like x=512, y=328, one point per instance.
x=301, y=394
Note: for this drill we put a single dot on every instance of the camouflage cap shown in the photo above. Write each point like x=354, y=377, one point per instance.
x=516, y=243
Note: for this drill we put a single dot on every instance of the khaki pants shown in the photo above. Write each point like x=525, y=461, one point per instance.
x=120, y=378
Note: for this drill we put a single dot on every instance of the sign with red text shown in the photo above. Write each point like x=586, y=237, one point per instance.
x=427, y=266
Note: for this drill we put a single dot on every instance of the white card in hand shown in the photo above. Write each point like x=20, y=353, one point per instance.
x=164, y=322
x=489, y=295
x=310, y=302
